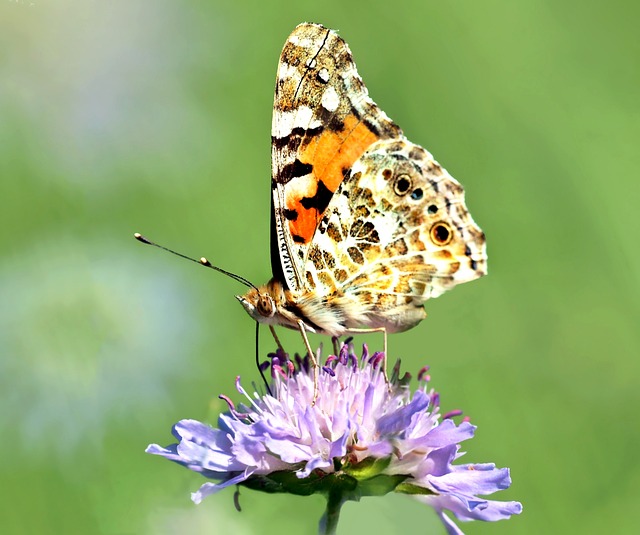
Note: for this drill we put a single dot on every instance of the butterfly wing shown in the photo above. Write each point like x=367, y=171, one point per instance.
x=323, y=121
x=396, y=233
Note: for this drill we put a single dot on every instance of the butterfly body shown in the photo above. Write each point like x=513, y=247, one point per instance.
x=366, y=225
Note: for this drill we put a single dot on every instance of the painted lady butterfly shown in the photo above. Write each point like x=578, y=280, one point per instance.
x=366, y=226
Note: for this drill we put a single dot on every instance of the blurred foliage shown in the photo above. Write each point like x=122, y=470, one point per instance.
x=154, y=116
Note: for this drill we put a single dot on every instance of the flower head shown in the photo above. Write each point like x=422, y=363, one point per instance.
x=362, y=437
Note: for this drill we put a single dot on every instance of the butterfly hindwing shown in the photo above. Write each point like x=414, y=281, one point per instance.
x=396, y=233
x=323, y=121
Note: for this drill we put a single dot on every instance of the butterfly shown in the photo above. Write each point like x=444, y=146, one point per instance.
x=365, y=225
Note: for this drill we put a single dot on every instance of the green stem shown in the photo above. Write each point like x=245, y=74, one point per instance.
x=329, y=520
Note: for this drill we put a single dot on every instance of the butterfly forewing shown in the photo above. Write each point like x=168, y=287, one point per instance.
x=323, y=121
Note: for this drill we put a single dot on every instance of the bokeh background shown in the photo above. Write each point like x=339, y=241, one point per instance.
x=154, y=116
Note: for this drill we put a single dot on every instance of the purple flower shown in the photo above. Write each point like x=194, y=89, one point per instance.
x=363, y=437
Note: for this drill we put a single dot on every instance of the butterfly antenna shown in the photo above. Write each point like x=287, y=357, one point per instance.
x=202, y=261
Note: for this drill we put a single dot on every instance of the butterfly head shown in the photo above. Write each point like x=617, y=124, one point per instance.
x=265, y=304
x=274, y=305
x=258, y=304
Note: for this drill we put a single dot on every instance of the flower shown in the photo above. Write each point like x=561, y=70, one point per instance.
x=362, y=437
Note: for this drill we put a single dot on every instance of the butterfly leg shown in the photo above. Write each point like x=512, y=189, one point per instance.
x=384, y=332
x=314, y=362
x=275, y=337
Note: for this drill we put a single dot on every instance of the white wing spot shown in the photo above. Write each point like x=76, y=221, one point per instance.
x=286, y=72
x=303, y=41
x=323, y=75
x=330, y=99
x=285, y=121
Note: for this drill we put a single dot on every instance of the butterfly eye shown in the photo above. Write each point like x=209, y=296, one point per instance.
x=441, y=234
x=265, y=306
x=402, y=184
x=432, y=209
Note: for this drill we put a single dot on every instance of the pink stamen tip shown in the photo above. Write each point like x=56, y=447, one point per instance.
x=376, y=359
x=238, y=385
x=422, y=374
x=344, y=353
x=278, y=370
x=228, y=401
x=330, y=359
x=452, y=414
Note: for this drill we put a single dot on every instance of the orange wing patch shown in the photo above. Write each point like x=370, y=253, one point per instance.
x=329, y=155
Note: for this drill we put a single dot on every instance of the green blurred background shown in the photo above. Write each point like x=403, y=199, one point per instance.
x=154, y=116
